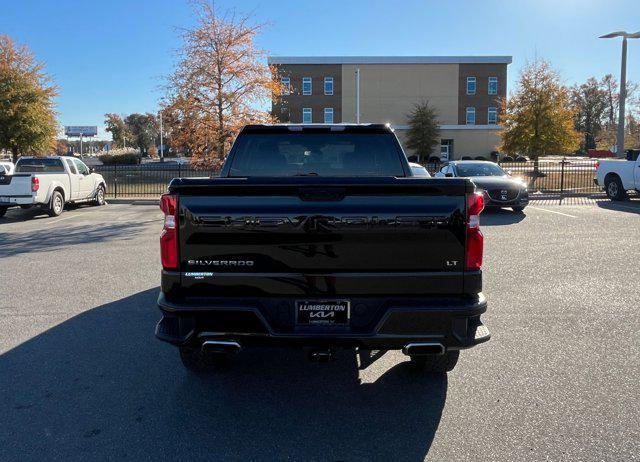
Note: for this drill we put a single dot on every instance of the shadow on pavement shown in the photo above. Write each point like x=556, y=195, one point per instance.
x=100, y=386
x=17, y=214
x=629, y=206
x=499, y=217
x=49, y=239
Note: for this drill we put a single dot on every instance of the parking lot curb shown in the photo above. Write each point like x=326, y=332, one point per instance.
x=134, y=201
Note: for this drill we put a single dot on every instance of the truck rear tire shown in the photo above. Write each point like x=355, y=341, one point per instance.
x=3, y=210
x=436, y=363
x=56, y=204
x=615, y=190
x=198, y=362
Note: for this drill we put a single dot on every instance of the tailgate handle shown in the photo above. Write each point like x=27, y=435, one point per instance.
x=321, y=194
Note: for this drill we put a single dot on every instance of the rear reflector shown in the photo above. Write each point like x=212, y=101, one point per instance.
x=35, y=184
x=169, y=236
x=475, y=239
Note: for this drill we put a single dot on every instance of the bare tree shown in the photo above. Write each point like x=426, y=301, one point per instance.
x=220, y=83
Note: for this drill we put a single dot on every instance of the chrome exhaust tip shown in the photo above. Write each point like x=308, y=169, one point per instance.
x=221, y=346
x=418, y=349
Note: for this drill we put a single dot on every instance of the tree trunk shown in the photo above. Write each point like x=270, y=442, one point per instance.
x=14, y=154
x=536, y=171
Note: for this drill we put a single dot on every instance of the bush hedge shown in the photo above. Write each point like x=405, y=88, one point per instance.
x=119, y=159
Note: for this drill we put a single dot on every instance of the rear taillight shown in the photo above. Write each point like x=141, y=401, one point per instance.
x=597, y=165
x=169, y=236
x=35, y=184
x=475, y=239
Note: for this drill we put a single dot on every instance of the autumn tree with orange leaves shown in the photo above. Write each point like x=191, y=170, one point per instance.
x=219, y=84
x=28, y=122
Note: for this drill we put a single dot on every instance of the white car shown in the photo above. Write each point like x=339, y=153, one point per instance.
x=50, y=183
x=619, y=176
x=418, y=170
x=6, y=168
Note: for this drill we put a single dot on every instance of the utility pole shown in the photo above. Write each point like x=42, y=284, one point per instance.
x=80, y=145
x=623, y=86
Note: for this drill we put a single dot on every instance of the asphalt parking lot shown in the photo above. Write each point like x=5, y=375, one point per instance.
x=83, y=378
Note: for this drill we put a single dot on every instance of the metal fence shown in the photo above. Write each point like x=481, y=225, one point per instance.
x=145, y=180
x=150, y=180
x=556, y=175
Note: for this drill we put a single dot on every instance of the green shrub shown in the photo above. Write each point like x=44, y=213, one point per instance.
x=119, y=159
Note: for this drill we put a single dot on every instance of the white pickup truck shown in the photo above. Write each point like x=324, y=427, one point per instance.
x=619, y=176
x=50, y=183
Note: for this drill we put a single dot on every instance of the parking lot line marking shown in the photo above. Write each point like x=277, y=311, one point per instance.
x=552, y=211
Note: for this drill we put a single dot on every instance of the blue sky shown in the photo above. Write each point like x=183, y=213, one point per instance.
x=111, y=56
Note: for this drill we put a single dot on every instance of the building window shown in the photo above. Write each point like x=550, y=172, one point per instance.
x=306, y=86
x=493, y=86
x=328, y=115
x=306, y=115
x=492, y=116
x=471, y=116
x=471, y=85
x=328, y=85
x=286, y=85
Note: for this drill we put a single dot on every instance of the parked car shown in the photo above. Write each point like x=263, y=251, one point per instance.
x=619, y=176
x=6, y=168
x=498, y=187
x=319, y=237
x=419, y=170
x=50, y=183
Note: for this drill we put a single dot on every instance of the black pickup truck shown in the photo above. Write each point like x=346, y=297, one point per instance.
x=318, y=236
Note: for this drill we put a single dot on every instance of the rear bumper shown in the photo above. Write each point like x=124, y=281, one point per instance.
x=378, y=323
x=13, y=201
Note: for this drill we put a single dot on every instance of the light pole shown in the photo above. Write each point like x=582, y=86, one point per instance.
x=623, y=86
x=161, y=145
x=358, y=95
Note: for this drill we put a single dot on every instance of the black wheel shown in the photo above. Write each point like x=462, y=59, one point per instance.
x=202, y=363
x=615, y=190
x=3, y=210
x=518, y=209
x=436, y=363
x=99, y=198
x=56, y=204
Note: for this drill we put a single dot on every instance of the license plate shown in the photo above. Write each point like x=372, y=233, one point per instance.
x=322, y=312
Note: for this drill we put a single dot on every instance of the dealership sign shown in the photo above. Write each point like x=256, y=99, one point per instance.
x=81, y=130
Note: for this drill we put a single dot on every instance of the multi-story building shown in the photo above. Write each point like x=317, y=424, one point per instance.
x=464, y=90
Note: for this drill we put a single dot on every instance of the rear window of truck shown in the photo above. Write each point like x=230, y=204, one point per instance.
x=39, y=165
x=316, y=154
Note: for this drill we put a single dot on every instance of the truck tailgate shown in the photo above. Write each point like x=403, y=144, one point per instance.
x=255, y=237
x=18, y=184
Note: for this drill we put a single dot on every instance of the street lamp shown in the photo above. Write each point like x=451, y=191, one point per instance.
x=623, y=85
